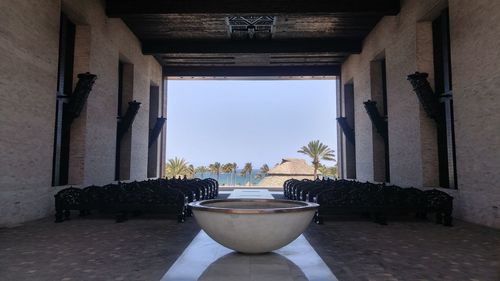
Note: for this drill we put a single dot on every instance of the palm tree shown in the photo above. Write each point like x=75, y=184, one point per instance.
x=215, y=169
x=191, y=171
x=323, y=170
x=247, y=170
x=202, y=170
x=235, y=167
x=176, y=167
x=317, y=151
x=264, y=169
x=228, y=169
x=328, y=171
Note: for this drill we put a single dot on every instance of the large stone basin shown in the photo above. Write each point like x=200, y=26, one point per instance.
x=253, y=225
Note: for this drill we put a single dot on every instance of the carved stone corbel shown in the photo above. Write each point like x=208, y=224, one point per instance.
x=426, y=96
x=80, y=95
x=348, y=131
x=377, y=119
x=126, y=121
x=155, y=132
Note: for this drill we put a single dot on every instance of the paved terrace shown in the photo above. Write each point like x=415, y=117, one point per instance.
x=144, y=248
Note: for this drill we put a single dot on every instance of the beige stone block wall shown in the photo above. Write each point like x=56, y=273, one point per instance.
x=29, y=35
x=112, y=40
x=406, y=40
x=475, y=54
x=398, y=39
x=28, y=72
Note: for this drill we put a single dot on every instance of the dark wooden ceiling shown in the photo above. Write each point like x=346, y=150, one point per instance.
x=199, y=37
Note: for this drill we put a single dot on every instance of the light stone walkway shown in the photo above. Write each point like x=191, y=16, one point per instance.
x=143, y=248
x=250, y=194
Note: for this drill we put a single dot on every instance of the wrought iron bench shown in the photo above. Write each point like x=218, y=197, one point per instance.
x=377, y=201
x=122, y=199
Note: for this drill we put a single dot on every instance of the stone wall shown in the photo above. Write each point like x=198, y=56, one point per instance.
x=476, y=89
x=406, y=41
x=29, y=40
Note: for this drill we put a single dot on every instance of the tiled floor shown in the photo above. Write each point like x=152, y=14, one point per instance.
x=93, y=249
x=145, y=248
x=361, y=250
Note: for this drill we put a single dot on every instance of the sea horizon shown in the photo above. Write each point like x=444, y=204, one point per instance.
x=229, y=179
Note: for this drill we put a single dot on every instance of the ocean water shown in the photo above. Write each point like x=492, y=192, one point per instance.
x=226, y=179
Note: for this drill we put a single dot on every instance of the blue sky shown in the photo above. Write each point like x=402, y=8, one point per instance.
x=248, y=120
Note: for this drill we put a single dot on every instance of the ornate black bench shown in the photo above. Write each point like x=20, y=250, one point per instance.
x=377, y=201
x=66, y=200
x=123, y=199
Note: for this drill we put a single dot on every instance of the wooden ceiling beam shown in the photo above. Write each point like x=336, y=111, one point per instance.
x=119, y=8
x=250, y=71
x=290, y=46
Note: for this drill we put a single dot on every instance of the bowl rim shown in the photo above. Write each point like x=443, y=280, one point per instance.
x=303, y=206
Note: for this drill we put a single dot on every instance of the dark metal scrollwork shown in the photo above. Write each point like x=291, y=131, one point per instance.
x=378, y=201
x=122, y=199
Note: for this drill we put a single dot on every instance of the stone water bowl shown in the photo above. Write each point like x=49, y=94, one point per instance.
x=253, y=226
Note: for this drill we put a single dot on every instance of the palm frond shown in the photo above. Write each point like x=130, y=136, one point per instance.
x=317, y=151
